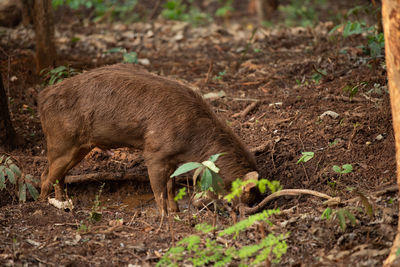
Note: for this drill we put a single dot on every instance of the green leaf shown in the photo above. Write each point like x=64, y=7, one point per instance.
x=326, y=214
x=350, y=216
x=342, y=219
x=210, y=165
x=204, y=227
x=197, y=173
x=337, y=169
x=2, y=181
x=10, y=176
x=22, y=192
x=181, y=194
x=186, y=168
x=334, y=29
x=59, y=69
x=115, y=50
x=206, y=180
x=16, y=170
x=217, y=183
x=1, y=159
x=32, y=191
x=306, y=156
x=95, y=216
x=347, y=168
x=130, y=57
x=213, y=158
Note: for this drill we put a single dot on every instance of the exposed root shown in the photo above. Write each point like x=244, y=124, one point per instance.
x=287, y=192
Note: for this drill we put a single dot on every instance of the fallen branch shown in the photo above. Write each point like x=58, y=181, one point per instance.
x=105, y=176
x=287, y=192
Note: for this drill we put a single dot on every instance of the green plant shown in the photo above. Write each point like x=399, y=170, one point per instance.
x=225, y=9
x=210, y=179
x=200, y=250
x=178, y=10
x=11, y=173
x=346, y=168
x=96, y=213
x=341, y=215
x=181, y=194
x=355, y=26
x=112, y=9
x=127, y=57
x=57, y=74
x=353, y=89
x=262, y=184
x=301, y=12
x=220, y=75
x=306, y=156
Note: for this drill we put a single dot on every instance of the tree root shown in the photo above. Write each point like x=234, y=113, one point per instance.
x=287, y=192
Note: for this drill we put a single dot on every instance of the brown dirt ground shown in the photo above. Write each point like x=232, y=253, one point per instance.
x=277, y=71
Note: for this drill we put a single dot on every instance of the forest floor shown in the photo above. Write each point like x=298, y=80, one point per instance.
x=296, y=75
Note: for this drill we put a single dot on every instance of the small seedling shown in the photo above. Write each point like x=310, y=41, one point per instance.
x=346, y=168
x=127, y=57
x=96, y=213
x=306, y=156
x=181, y=194
x=210, y=179
x=11, y=173
x=353, y=89
x=317, y=76
x=220, y=75
x=341, y=215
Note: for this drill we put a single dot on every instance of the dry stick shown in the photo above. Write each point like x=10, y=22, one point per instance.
x=247, y=110
x=285, y=192
x=210, y=68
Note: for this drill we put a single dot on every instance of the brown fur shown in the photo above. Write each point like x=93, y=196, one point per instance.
x=123, y=106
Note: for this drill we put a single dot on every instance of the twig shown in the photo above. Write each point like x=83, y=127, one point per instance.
x=286, y=192
x=318, y=71
x=243, y=99
x=210, y=68
x=247, y=110
x=42, y=261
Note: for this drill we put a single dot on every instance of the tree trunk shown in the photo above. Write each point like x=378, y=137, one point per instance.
x=391, y=26
x=8, y=137
x=265, y=8
x=44, y=33
x=27, y=12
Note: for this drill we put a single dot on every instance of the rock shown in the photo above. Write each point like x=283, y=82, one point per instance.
x=214, y=95
x=10, y=13
x=329, y=113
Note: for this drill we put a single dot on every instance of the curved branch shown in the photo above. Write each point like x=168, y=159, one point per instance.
x=288, y=192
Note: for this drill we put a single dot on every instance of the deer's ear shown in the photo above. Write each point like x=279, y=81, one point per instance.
x=250, y=176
